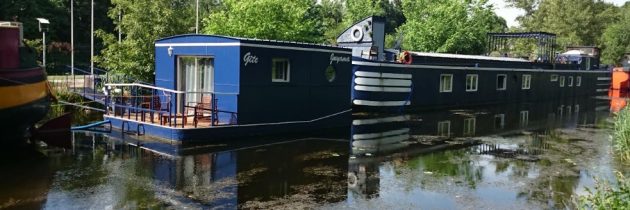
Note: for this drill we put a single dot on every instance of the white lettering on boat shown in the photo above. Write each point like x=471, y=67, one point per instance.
x=337, y=59
x=249, y=58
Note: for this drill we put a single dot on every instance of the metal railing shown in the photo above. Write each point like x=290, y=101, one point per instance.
x=136, y=101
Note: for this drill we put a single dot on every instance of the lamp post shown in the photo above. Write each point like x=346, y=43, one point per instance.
x=43, y=27
x=92, y=39
x=72, y=37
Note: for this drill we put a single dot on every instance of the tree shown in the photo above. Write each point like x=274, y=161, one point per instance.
x=143, y=22
x=357, y=10
x=576, y=22
x=331, y=13
x=266, y=19
x=58, y=35
x=616, y=38
x=450, y=26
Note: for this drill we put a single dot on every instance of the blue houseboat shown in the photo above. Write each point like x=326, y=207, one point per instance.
x=395, y=79
x=208, y=87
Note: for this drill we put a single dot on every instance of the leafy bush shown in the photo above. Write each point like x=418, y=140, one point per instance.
x=607, y=196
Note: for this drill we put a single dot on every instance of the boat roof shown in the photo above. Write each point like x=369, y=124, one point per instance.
x=460, y=56
x=252, y=40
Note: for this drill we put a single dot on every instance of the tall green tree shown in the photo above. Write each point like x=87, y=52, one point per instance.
x=450, y=26
x=266, y=19
x=331, y=13
x=581, y=23
x=143, y=22
x=616, y=38
x=357, y=10
x=576, y=22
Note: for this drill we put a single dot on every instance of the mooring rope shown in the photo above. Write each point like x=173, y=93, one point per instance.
x=81, y=106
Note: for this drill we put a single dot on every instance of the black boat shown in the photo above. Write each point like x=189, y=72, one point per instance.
x=395, y=79
x=24, y=91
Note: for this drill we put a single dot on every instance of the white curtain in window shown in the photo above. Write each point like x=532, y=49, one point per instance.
x=198, y=73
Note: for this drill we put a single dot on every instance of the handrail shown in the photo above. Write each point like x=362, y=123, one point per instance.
x=162, y=89
x=85, y=71
x=144, y=86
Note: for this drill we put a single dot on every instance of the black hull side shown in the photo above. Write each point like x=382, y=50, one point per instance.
x=399, y=87
x=15, y=121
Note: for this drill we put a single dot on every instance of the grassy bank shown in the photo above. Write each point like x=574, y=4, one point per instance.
x=621, y=135
x=607, y=195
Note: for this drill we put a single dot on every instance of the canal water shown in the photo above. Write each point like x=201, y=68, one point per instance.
x=508, y=156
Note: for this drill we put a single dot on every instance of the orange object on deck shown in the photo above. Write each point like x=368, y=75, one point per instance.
x=620, y=79
x=618, y=100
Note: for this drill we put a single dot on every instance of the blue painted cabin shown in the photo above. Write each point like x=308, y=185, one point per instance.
x=256, y=85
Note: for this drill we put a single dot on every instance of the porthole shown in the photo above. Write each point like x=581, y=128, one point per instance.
x=330, y=73
x=356, y=34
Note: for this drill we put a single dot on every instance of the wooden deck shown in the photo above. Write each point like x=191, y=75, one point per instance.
x=175, y=121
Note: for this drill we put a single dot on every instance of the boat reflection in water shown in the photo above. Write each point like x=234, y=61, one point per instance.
x=382, y=144
x=127, y=173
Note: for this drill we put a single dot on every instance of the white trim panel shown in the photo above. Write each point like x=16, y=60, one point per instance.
x=382, y=75
x=603, y=78
x=230, y=44
x=401, y=118
x=381, y=141
x=366, y=63
x=383, y=82
x=225, y=44
x=382, y=89
x=601, y=90
x=380, y=103
x=380, y=135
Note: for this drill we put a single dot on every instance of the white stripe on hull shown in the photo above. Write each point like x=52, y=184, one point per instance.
x=382, y=89
x=602, y=90
x=381, y=103
x=401, y=118
x=383, y=82
x=381, y=141
x=231, y=44
x=380, y=148
x=382, y=75
x=371, y=136
x=603, y=78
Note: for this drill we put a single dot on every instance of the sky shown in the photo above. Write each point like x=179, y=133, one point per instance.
x=510, y=14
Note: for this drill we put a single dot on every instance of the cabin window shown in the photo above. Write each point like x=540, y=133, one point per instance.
x=570, y=81
x=578, y=81
x=444, y=128
x=469, y=127
x=501, y=82
x=562, y=81
x=499, y=121
x=446, y=83
x=280, y=70
x=472, y=80
x=330, y=74
x=527, y=82
x=554, y=77
x=524, y=119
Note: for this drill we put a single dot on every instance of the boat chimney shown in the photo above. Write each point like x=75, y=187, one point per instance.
x=366, y=38
x=10, y=42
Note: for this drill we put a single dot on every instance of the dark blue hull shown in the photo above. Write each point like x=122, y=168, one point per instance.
x=392, y=86
x=227, y=132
